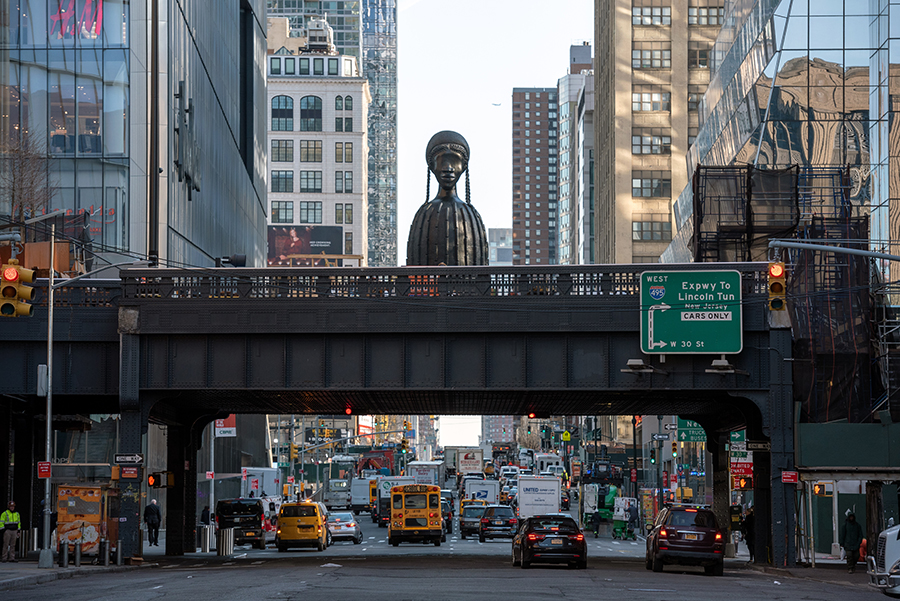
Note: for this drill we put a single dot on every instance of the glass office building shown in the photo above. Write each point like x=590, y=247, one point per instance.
x=809, y=83
x=75, y=91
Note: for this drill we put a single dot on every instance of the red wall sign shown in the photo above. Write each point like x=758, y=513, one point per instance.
x=790, y=477
x=210, y=475
x=129, y=472
x=43, y=469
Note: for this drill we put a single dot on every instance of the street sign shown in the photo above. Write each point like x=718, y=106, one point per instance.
x=210, y=475
x=758, y=445
x=738, y=436
x=741, y=468
x=243, y=473
x=566, y=436
x=690, y=431
x=284, y=464
x=43, y=469
x=670, y=426
x=290, y=479
x=129, y=472
x=790, y=477
x=697, y=312
x=132, y=458
x=633, y=474
x=660, y=436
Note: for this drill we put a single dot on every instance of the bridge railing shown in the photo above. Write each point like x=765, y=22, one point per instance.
x=147, y=285
x=83, y=293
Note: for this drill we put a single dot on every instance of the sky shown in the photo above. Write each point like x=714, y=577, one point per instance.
x=457, y=61
x=457, y=66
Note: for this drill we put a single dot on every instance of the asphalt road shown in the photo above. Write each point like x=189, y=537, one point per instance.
x=457, y=570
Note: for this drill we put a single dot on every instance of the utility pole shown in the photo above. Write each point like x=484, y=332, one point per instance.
x=659, y=462
x=291, y=455
x=634, y=484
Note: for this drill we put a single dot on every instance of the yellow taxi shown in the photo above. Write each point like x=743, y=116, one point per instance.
x=467, y=502
x=302, y=524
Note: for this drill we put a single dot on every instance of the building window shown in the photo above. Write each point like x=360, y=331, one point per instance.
x=692, y=135
x=348, y=243
x=282, y=181
x=290, y=66
x=282, y=211
x=651, y=184
x=645, y=140
x=311, y=113
x=282, y=113
x=658, y=229
x=651, y=55
x=318, y=66
x=643, y=14
x=650, y=98
x=348, y=213
x=338, y=103
x=282, y=151
x=348, y=103
x=333, y=66
x=275, y=66
x=310, y=151
x=310, y=181
x=338, y=124
x=698, y=55
x=348, y=182
x=348, y=124
x=339, y=213
x=304, y=66
x=644, y=259
x=706, y=15
x=348, y=151
x=339, y=182
x=338, y=152
x=695, y=94
x=310, y=212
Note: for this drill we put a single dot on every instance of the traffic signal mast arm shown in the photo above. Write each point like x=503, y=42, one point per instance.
x=346, y=438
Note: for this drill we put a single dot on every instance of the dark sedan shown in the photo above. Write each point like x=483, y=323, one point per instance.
x=552, y=538
x=686, y=536
x=497, y=521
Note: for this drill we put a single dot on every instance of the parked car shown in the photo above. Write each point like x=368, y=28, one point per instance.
x=302, y=524
x=343, y=526
x=550, y=538
x=687, y=536
x=497, y=521
x=470, y=520
x=246, y=517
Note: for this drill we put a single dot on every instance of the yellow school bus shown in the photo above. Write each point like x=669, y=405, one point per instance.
x=416, y=515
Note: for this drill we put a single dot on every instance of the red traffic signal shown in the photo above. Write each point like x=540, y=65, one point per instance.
x=14, y=294
x=777, y=287
x=348, y=411
x=531, y=415
x=153, y=480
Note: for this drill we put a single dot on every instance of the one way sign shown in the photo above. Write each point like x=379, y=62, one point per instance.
x=132, y=458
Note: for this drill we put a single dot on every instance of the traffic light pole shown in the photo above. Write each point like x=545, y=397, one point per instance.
x=45, y=560
x=659, y=463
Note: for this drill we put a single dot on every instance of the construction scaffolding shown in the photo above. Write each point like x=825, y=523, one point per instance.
x=841, y=361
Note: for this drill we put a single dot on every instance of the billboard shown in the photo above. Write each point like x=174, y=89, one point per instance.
x=296, y=245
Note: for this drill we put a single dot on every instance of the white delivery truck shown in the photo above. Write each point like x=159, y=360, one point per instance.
x=483, y=490
x=537, y=495
x=884, y=567
x=470, y=461
x=427, y=472
x=337, y=493
x=543, y=461
x=385, y=483
x=359, y=494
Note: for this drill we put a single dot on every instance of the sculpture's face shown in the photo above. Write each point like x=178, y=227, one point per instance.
x=448, y=166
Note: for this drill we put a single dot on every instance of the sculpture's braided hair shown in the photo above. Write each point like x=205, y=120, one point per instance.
x=428, y=183
x=468, y=195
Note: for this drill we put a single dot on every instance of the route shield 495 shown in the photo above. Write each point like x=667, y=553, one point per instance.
x=691, y=312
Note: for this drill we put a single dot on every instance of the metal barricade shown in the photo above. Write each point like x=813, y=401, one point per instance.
x=24, y=543
x=225, y=541
x=206, y=533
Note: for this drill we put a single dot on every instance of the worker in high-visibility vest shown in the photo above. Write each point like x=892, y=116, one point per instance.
x=11, y=523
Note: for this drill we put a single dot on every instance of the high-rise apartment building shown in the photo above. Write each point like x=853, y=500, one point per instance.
x=318, y=104
x=653, y=66
x=499, y=428
x=535, y=175
x=367, y=29
x=571, y=88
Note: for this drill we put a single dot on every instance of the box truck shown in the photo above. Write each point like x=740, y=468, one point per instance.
x=537, y=495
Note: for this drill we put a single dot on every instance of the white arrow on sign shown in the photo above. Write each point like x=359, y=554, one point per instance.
x=653, y=308
x=670, y=426
x=683, y=435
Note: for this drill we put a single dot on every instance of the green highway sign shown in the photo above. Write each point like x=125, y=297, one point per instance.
x=738, y=436
x=690, y=431
x=695, y=312
x=284, y=464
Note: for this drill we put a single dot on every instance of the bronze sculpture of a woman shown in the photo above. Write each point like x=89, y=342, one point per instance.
x=447, y=230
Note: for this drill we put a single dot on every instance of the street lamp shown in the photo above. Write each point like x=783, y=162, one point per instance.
x=46, y=558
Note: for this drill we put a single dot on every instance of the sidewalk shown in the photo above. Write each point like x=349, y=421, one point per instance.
x=829, y=569
x=26, y=572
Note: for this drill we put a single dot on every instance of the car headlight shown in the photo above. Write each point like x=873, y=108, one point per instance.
x=895, y=569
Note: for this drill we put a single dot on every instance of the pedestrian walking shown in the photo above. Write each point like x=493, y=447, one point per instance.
x=748, y=530
x=11, y=523
x=204, y=516
x=851, y=539
x=153, y=518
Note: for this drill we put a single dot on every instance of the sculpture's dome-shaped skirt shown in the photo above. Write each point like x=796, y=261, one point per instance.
x=447, y=231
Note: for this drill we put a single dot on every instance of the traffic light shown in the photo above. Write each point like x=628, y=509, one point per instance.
x=293, y=452
x=529, y=429
x=154, y=480
x=652, y=455
x=674, y=449
x=531, y=415
x=745, y=483
x=161, y=480
x=14, y=294
x=822, y=489
x=777, y=288
x=404, y=446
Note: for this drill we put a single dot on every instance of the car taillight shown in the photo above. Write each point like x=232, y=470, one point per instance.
x=485, y=521
x=577, y=537
x=513, y=521
x=535, y=536
x=718, y=536
x=663, y=533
